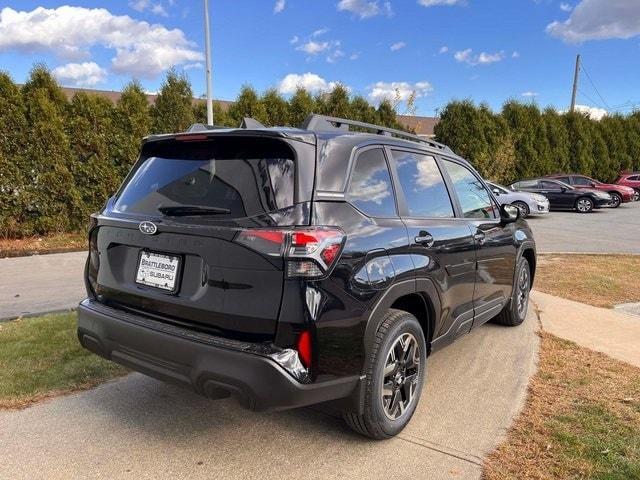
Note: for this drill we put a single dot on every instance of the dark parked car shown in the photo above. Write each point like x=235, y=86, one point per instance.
x=619, y=193
x=564, y=197
x=630, y=180
x=288, y=267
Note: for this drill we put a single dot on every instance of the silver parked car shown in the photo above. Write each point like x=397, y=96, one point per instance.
x=527, y=203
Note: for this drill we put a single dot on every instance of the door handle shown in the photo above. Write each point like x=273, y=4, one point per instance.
x=425, y=239
x=479, y=237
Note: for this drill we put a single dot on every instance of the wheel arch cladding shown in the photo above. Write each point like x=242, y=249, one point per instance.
x=418, y=306
x=530, y=255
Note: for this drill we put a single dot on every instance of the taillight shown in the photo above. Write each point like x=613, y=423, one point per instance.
x=93, y=263
x=304, y=348
x=309, y=252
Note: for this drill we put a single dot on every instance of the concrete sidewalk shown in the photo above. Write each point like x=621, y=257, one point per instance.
x=137, y=427
x=41, y=283
x=604, y=330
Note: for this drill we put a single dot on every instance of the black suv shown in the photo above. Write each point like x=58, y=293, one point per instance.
x=289, y=267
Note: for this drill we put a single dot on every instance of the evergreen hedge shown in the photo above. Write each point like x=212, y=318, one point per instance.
x=60, y=160
x=523, y=141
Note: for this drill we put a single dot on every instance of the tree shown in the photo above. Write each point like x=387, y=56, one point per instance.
x=50, y=195
x=248, y=105
x=460, y=128
x=386, y=115
x=13, y=127
x=362, y=110
x=613, y=128
x=336, y=103
x=301, y=105
x=558, y=138
x=277, y=109
x=220, y=115
x=91, y=132
x=132, y=122
x=173, y=110
x=580, y=144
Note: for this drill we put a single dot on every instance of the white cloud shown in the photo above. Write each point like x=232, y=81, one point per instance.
x=193, y=66
x=443, y=49
x=279, y=6
x=354, y=56
x=483, y=58
x=365, y=9
x=565, y=7
x=380, y=91
x=335, y=55
x=309, y=81
x=320, y=31
x=397, y=46
x=142, y=5
x=599, y=20
x=85, y=74
x=529, y=94
x=141, y=49
x=295, y=39
x=433, y=3
x=314, y=48
x=515, y=55
x=593, y=112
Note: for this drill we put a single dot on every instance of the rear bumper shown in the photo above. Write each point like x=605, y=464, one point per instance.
x=211, y=366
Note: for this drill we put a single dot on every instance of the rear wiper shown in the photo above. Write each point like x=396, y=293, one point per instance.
x=188, y=210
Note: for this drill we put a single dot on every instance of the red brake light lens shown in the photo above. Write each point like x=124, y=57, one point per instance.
x=304, y=348
x=310, y=252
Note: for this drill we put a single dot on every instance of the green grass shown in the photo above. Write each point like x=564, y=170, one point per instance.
x=608, y=442
x=41, y=357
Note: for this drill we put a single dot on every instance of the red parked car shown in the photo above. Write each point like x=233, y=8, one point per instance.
x=630, y=179
x=619, y=193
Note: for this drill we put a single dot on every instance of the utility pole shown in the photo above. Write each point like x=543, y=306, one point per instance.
x=207, y=49
x=575, y=85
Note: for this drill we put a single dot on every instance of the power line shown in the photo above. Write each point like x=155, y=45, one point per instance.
x=594, y=86
x=593, y=102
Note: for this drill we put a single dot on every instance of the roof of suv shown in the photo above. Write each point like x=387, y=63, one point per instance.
x=321, y=127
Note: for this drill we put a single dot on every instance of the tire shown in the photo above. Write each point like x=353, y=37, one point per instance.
x=616, y=199
x=584, y=205
x=637, y=195
x=515, y=312
x=523, y=207
x=377, y=419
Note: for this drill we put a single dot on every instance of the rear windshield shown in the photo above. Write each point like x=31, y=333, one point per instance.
x=239, y=177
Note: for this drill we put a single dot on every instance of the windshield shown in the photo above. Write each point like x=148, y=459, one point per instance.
x=222, y=178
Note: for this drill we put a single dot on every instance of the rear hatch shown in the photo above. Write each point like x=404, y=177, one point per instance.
x=172, y=243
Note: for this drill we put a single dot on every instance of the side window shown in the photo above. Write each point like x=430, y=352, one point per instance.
x=564, y=180
x=474, y=197
x=547, y=185
x=528, y=184
x=370, y=189
x=582, y=181
x=635, y=178
x=424, y=189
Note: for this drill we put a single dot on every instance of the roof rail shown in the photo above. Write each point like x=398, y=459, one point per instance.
x=323, y=123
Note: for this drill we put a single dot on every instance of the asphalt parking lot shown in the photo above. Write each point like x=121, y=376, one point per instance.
x=609, y=230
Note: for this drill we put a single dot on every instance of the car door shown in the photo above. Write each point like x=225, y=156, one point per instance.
x=442, y=246
x=494, y=241
x=558, y=196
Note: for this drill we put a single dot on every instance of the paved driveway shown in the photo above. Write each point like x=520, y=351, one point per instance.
x=604, y=231
x=140, y=428
x=41, y=283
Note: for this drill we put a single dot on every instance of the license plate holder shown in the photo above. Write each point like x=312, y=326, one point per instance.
x=158, y=270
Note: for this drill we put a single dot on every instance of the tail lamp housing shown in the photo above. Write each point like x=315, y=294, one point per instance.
x=309, y=252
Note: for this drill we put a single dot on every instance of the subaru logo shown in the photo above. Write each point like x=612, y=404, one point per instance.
x=148, y=228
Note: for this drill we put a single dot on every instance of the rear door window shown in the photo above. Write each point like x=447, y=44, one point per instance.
x=581, y=181
x=370, y=190
x=474, y=198
x=424, y=189
x=236, y=177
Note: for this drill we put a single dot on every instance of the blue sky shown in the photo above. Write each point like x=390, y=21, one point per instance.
x=442, y=49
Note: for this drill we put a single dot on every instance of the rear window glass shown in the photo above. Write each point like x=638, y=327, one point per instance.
x=237, y=177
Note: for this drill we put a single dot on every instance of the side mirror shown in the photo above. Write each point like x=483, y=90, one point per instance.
x=509, y=213
x=563, y=189
x=496, y=191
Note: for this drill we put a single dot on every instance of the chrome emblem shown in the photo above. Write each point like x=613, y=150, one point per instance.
x=148, y=228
